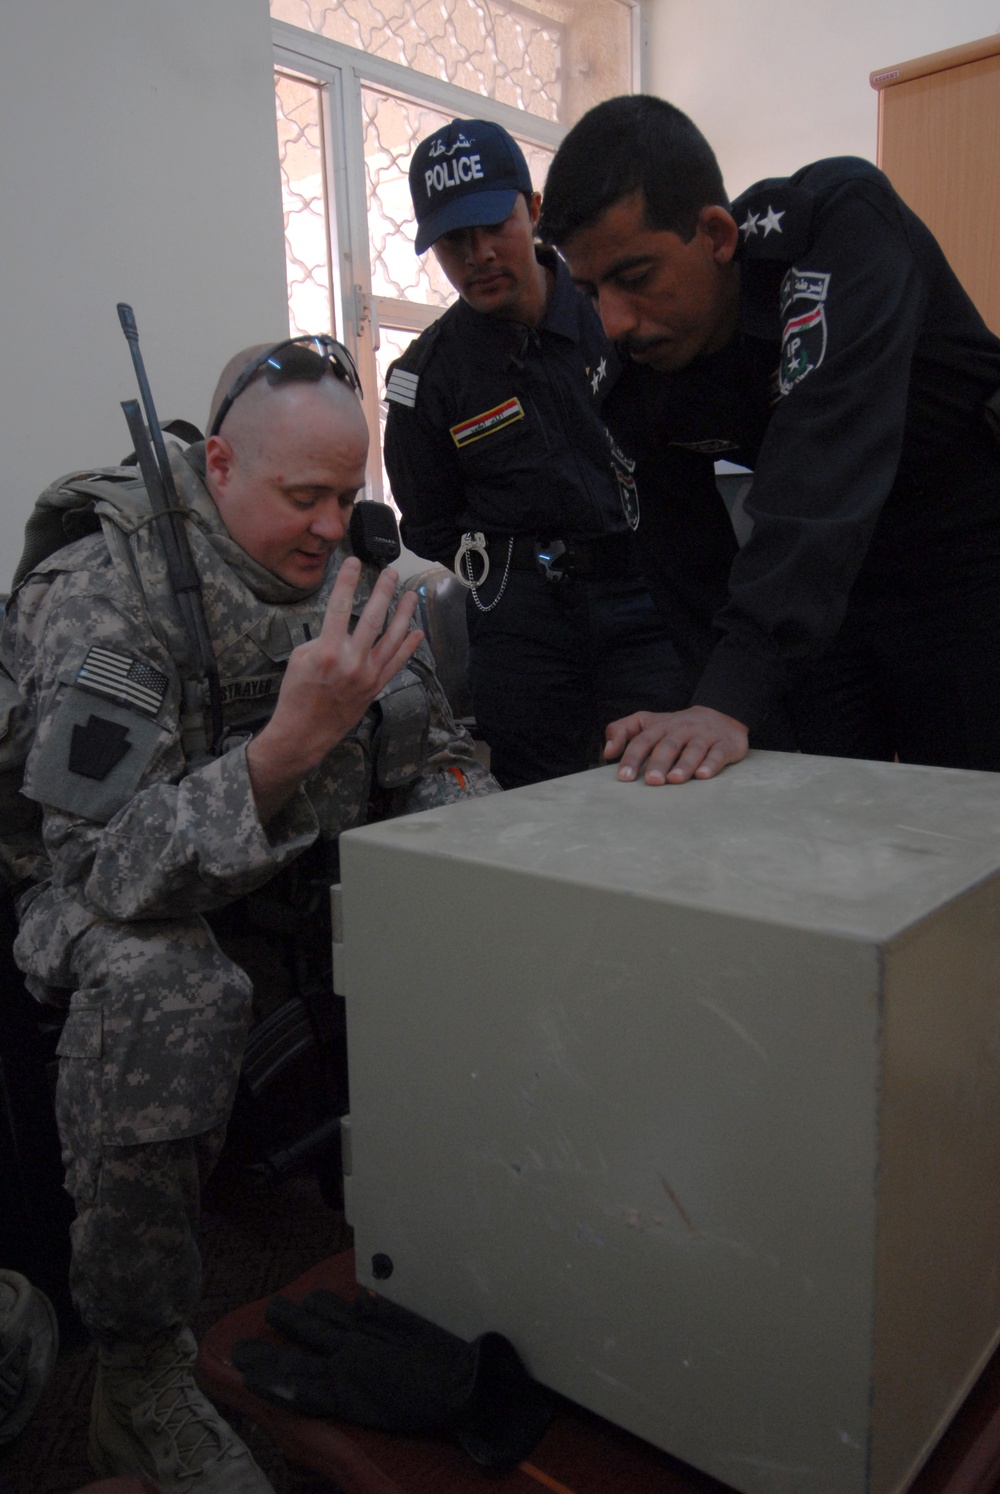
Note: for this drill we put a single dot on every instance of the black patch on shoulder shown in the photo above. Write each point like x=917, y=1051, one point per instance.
x=774, y=219
x=98, y=747
x=414, y=359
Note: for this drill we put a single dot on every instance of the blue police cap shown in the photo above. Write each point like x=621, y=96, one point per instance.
x=466, y=175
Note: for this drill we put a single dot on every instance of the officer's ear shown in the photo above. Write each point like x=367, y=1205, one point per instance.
x=534, y=208
x=721, y=229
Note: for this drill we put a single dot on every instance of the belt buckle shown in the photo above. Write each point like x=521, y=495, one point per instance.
x=547, y=559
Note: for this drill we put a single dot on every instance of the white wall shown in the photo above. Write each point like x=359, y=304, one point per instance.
x=777, y=83
x=139, y=165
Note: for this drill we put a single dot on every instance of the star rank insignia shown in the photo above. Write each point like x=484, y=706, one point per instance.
x=772, y=222
x=748, y=228
x=598, y=374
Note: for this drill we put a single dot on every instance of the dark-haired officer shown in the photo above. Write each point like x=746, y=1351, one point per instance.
x=501, y=468
x=814, y=332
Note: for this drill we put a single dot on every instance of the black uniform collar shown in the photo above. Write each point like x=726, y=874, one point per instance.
x=562, y=312
x=504, y=340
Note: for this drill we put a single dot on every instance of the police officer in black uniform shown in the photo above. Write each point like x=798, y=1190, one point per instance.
x=502, y=469
x=815, y=333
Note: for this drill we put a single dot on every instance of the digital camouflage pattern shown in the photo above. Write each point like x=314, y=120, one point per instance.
x=136, y=1267
x=151, y=1049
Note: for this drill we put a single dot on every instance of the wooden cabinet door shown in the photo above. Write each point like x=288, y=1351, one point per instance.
x=939, y=144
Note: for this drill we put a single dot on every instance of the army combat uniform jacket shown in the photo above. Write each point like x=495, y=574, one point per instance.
x=855, y=390
x=142, y=840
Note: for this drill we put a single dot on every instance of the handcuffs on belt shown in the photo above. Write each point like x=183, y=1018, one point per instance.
x=474, y=543
x=547, y=559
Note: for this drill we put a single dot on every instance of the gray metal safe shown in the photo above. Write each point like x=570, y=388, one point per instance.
x=694, y=1092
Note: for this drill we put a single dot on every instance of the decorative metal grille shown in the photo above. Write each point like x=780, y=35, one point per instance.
x=506, y=51
x=393, y=126
x=304, y=202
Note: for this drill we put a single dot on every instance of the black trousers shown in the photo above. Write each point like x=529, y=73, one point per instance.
x=913, y=673
x=552, y=664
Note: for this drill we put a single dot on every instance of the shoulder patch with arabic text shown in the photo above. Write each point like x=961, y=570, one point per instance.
x=803, y=332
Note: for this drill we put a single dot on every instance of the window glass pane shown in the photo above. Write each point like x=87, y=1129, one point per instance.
x=303, y=195
x=393, y=127
x=553, y=58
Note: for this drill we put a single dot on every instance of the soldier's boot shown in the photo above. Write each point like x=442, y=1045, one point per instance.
x=150, y=1419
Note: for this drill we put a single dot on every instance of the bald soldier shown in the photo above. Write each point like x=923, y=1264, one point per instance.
x=147, y=838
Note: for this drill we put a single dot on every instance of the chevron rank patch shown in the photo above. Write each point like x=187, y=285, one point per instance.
x=402, y=387
x=132, y=682
x=487, y=423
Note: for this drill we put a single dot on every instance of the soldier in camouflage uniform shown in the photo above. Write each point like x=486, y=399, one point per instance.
x=143, y=840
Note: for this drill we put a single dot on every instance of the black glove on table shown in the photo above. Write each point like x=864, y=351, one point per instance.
x=384, y=1367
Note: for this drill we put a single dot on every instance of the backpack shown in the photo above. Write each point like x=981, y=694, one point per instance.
x=112, y=499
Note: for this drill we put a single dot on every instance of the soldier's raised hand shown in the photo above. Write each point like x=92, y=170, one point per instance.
x=329, y=683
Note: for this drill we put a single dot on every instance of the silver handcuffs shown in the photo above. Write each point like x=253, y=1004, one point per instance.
x=473, y=543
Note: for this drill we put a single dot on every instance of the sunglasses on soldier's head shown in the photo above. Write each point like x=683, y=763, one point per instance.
x=299, y=360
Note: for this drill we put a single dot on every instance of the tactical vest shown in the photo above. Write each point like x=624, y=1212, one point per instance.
x=253, y=639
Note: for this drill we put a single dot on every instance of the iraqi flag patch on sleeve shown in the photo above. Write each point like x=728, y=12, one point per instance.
x=487, y=423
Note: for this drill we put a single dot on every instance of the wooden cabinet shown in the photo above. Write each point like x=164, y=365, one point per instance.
x=939, y=144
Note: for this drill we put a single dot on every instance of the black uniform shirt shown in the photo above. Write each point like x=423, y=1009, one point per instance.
x=855, y=391
x=492, y=427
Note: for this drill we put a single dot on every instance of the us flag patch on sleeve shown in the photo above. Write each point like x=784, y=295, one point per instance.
x=120, y=677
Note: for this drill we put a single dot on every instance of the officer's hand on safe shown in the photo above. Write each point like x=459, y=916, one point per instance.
x=675, y=745
x=329, y=683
